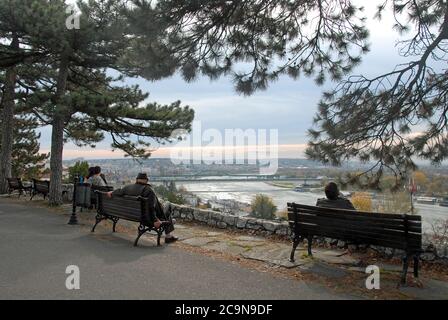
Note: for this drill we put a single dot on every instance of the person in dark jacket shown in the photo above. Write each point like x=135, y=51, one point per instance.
x=142, y=188
x=334, y=199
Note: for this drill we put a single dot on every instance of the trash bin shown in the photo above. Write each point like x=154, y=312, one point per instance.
x=82, y=195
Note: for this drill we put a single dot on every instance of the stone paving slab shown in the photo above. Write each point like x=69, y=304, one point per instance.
x=248, y=244
x=332, y=253
x=323, y=269
x=200, y=241
x=260, y=249
x=250, y=239
x=225, y=247
x=274, y=256
x=213, y=234
x=331, y=257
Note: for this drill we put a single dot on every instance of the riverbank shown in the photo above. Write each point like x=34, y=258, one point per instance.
x=244, y=192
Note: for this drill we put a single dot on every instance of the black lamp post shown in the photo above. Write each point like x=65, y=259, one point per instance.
x=73, y=217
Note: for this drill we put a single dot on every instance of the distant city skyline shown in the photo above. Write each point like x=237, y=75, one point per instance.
x=285, y=151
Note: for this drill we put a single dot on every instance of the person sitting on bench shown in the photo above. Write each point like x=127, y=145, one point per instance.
x=95, y=177
x=141, y=188
x=334, y=199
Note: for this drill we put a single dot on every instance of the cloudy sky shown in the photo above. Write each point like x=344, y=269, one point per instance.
x=287, y=105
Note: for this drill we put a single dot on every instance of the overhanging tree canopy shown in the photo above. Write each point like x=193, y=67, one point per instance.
x=388, y=120
x=256, y=41
x=74, y=94
x=392, y=119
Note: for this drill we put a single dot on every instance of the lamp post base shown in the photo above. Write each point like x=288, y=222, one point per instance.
x=73, y=220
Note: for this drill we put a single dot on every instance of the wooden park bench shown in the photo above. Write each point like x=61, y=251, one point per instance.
x=93, y=196
x=397, y=231
x=41, y=187
x=133, y=209
x=17, y=184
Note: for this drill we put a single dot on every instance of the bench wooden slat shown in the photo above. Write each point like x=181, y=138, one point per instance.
x=121, y=212
x=357, y=234
x=385, y=234
x=118, y=207
x=352, y=239
x=374, y=226
x=353, y=213
x=385, y=218
x=399, y=225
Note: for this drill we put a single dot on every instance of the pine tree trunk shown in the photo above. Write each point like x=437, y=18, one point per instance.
x=57, y=136
x=7, y=114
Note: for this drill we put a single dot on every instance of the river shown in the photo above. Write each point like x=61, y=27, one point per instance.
x=245, y=192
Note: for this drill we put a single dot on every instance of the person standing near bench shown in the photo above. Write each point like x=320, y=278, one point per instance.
x=334, y=199
x=142, y=188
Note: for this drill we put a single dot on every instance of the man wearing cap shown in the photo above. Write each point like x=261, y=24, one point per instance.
x=141, y=188
x=334, y=199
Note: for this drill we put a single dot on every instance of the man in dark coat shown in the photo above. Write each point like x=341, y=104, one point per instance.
x=141, y=188
x=334, y=199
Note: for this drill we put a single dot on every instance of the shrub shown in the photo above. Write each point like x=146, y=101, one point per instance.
x=362, y=201
x=439, y=237
x=398, y=202
x=172, y=196
x=263, y=207
x=282, y=215
x=81, y=169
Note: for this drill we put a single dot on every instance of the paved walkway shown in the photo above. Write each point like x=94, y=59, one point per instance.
x=206, y=264
x=36, y=246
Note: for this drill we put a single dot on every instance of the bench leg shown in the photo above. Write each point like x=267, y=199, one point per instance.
x=416, y=265
x=310, y=243
x=294, y=248
x=115, y=221
x=405, y=269
x=141, y=231
x=98, y=218
x=159, y=236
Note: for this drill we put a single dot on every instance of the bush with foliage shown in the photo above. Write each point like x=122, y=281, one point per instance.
x=169, y=193
x=362, y=201
x=80, y=169
x=397, y=202
x=263, y=207
x=439, y=236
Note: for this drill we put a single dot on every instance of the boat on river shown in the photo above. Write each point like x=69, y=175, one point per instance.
x=444, y=202
x=426, y=200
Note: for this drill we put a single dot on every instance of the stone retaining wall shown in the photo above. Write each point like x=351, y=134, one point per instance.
x=267, y=228
x=226, y=221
